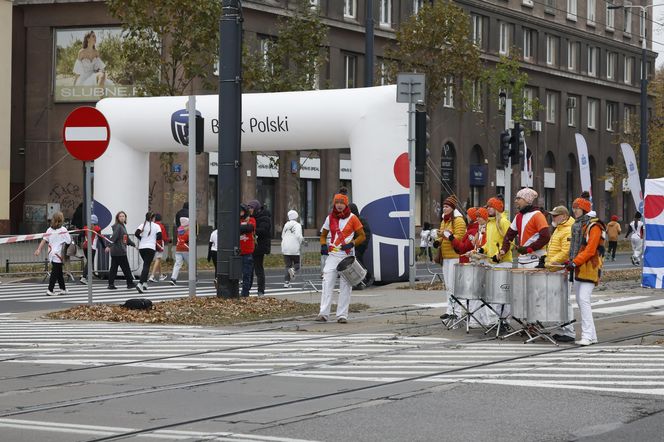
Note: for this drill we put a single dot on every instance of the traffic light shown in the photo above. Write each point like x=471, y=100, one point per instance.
x=200, y=141
x=505, y=147
x=515, y=152
x=421, y=142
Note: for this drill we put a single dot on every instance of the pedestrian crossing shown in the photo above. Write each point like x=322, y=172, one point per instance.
x=364, y=357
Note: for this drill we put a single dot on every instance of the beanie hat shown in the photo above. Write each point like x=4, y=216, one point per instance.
x=583, y=204
x=340, y=198
x=496, y=204
x=527, y=194
x=292, y=215
x=472, y=213
x=254, y=204
x=184, y=222
x=94, y=219
x=483, y=213
x=450, y=201
x=614, y=217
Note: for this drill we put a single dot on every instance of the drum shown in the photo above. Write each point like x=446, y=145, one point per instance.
x=497, y=286
x=519, y=292
x=351, y=270
x=469, y=281
x=547, y=296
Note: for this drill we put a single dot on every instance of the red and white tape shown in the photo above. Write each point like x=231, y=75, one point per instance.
x=21, y=238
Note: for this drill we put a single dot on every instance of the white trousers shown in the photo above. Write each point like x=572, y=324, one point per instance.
x=637, y=246
x=568, y=330
x=329, y=278
x=448, y=277
x=583, y=292
x=180, y=257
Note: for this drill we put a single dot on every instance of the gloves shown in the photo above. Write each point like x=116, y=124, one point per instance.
x=447, y=234
x=323, y=249
x=481, y=250
x=570, y=266
x=348, y=246
x=524, y=250
x=529, y=250
x=436, y=244
x=495, y=259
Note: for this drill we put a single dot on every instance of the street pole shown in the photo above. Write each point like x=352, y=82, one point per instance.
x=508, y=168
x=643, y=150
x=411, y=193
x=369, y=46
x=191, y=108
x=88, y=223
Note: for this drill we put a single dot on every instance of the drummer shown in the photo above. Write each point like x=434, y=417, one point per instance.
x=341, y=233
x=532, y=228
x=452, y=226
x=496, y=228
x=558, y=255
x=586, y=255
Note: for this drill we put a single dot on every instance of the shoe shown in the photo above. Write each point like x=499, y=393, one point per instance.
x=447, y=316
x=342, y=320
x=145, y=286
x=63, y=292
x=163, y=278
x=633, y=261
x=585, y=342
x=139, y=287
x=151, y=279
x=504, y=327
x=286, y=285
x=320, y=319
x=261, y=293
x=49, y=293
x=563, y=338
x=83, y=280
x=291, y=273
x=131, y=286
x=112, y=287
x=172, y=282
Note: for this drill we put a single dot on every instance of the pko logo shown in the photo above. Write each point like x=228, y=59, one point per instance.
x=584, y=160
x=180, y=126
x=631, y=166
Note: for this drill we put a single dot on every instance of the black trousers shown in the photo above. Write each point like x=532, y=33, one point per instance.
x=291, y=261
x=85, y=267
x=147, y=255
x=56, y=275
x=123, y=263
x=613, y=245
x=213, y=256
x=260, y=272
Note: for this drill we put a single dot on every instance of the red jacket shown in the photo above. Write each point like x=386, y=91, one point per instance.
x=164, y=237
x=95, y=228
x=182, y=244
x=247, y=244
x=465, y=244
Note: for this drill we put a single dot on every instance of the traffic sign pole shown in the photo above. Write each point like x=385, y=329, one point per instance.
x=88, y=222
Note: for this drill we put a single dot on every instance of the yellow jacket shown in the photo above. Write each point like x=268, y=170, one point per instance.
x=457, y=226
x=559, y=243
x=494, y=239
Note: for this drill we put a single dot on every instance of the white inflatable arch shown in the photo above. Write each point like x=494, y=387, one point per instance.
x=367, y=120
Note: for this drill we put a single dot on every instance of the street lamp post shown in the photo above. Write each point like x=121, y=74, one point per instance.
x=643, y=150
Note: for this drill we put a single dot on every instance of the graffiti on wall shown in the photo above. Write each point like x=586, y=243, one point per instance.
x=68, y=196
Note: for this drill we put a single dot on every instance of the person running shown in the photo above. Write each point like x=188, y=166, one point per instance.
x=181, y=249
x=613, y=231
x=118, y=249
x=291, y=241
x=96, y=231
x=212, y=250
x=586, y=259
x=263, y=220
x=426, y=242
x=57, y=239
x=148, y=233
x=247, y=247
x=341, y=233
x=452, y=226
x=155, y=272
x=635, y=229
x=532, y=229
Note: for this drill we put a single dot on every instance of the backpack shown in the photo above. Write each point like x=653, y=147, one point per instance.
x=138, y=304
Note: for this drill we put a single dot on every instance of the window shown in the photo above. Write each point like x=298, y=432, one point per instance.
x=550, y=7
x=629, y=70
x=350, y=8
x=610, y=17
x=571, y=10
x=308, y=194
x=592, y=61
x=528, y=97
x=592, y=113
x=448, y=98
x=573, y=55
x=591, y=12
x=571, y=111
x=627, y=19
x=350, y=66
x=476, y=96
x=628, y=119
x=265, y=45
x=550, y=107
x=611, y=109
x=386, y=13
x=642, y=23
x=382, y=72
x=611, y=60
x=551, y=50
x=528, y=44
x=417, y=5
x=477, y=29
x=506, y=30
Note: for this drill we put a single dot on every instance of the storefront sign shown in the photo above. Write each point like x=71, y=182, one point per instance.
x=267, y=166
x=345, y=170
x=310, y=168
x=447, y=167
x=478, y=174
x=213, y=165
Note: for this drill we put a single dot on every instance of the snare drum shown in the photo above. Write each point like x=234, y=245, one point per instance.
x=469, y=281
x=547, y=296
x=497, y=286
x=519, y=292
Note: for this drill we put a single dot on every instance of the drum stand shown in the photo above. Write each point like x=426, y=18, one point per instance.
x=465, y=316
x=500, y=321
x=535, y=330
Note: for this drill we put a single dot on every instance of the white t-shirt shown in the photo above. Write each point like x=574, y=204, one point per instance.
x=213, y=240
x=56, y=238
x=637, y=227
x=425, y=238
x=148, y=235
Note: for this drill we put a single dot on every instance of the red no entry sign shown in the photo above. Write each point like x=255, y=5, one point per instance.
x=86, y=133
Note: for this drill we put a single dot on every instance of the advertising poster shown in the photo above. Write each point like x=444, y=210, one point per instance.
x=89, y=65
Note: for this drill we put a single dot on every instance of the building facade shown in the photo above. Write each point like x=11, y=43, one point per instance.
x=582, y=59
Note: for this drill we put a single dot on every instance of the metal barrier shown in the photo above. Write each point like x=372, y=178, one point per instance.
x=311, y=264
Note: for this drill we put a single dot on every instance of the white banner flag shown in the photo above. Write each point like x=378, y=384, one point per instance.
x=632, y=175
x=584, y=163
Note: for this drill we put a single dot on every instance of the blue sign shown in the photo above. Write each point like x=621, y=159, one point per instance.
x=180, y=126
x=176, y=168
x=478, y=174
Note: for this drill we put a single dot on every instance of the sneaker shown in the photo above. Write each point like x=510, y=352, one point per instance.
x=151, y=279
x=172, y=282
x=63, y=292
x=447, y=316
x=112, y=287
x=342, y=320
x=163, y=278
x=261, y=293
x=145, y=286
x=633, y=261
x=49, y=293
x=130, y=286
x=139, y=287
x=83, y=280
x=585, y=342
x=291, y=273
x=286, y=285
x=320, y=318
x=563, y=338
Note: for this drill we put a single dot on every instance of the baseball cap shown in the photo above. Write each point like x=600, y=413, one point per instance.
x=559, y=210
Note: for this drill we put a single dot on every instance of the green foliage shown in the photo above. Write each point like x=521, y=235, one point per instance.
x=292, y=60
x=168, y=43
x=437, y=42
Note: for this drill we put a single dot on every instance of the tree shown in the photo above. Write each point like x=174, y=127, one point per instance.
x=436, y=41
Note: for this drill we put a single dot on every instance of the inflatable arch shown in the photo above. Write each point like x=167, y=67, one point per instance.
x=369, y=121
